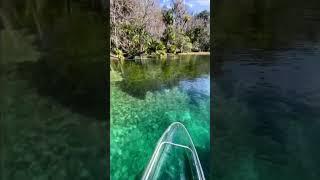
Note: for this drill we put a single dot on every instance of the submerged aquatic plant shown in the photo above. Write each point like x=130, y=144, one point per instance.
x=136, y=125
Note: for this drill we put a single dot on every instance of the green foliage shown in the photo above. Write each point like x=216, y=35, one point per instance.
x=168, y=17
x=194, y=34
x=183, y=33
x=183, y=43
x=187, y=47
x=161, y=53
x=204, y=44
x=169, y=38
x=196, y=47
x=200, y=38
x=158, y=48
x=119, y=54
x=155, y=45
x=199, y=32
x=171, y=48
x=169, y=35
x=138, y=39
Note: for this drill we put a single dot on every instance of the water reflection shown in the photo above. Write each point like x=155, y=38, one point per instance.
x=267, y=90
x=69, y=54
x=155, y=74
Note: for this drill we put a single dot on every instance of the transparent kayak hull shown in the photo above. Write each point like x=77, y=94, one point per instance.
x=175, y=157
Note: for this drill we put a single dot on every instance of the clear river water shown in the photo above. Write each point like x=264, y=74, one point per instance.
x=149, y=96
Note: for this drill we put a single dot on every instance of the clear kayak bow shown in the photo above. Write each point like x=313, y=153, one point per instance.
x=175, y=157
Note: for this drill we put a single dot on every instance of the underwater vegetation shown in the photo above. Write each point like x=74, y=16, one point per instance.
x=137, y=122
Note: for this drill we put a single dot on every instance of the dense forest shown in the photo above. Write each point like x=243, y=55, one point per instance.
x=143, y=27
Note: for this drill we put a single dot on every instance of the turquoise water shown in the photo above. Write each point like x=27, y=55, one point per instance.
x=149, y=96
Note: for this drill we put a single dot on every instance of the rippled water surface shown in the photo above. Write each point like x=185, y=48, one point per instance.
x=149, y=96
x=267, y=90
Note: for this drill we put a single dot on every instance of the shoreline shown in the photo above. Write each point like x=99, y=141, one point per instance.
x=194, y=53
x=113, y=57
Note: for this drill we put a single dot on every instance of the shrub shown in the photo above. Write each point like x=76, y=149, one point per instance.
x=187, y=47
x=155, y=45
x=171, y=48
x=136, y=38
x=161, y=53
x=183, y=43
x=119, y=54
x=169, y=35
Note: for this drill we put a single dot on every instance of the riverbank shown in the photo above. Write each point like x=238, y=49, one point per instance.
x=114, y=57
x=195, y=53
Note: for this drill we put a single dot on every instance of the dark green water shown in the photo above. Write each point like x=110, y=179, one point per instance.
x=150, y=96
x=266, y=90
x=52, y=121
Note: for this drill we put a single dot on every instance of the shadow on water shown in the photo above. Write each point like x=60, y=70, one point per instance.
x=78, y=87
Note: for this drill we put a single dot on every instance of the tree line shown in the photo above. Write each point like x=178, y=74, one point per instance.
x=141, y=27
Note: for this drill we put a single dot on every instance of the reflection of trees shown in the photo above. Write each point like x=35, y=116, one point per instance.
x=262, y=24
x=69, y=36
x=151, y=75
x=38, y=15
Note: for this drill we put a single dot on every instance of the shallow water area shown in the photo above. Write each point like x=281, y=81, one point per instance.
x=151, y=95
